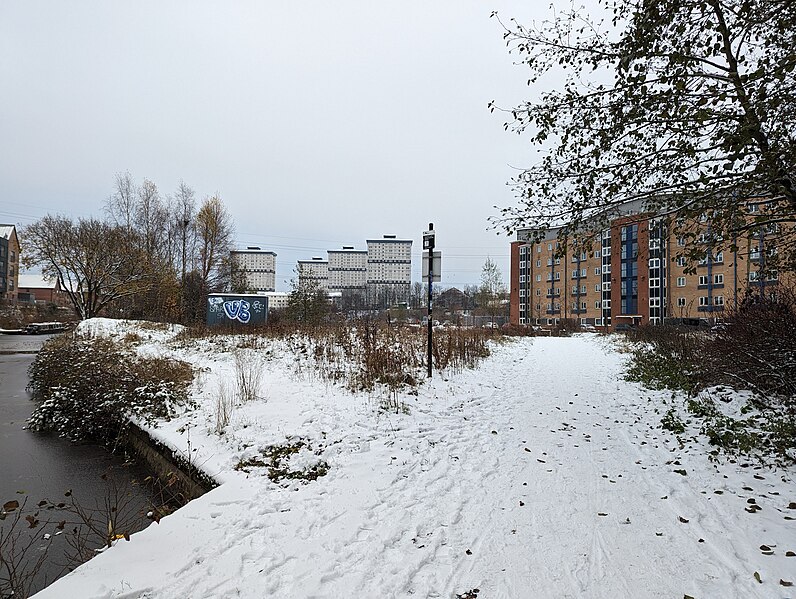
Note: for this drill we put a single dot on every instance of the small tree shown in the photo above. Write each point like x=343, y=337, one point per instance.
x=492, y=290
x=307, y=303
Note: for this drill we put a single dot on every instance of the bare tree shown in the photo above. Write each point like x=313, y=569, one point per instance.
x=94, y=262
x=492, y=291
x=121, y=204
x=184, y=210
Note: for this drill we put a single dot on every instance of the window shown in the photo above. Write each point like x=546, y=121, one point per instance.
x=549, y=262
x=539, y=249
x=703, y=279
x=538, y=263
x=655, y=244
x=680, y=302
x=607, y=251
x=522, y=292
x=597, y=270
x=597, y=253
x=583, y=305
x=549, y=247
x=606, y=269
x=12, y=256
x=523, y=250
x=11, y=284
x=655, y=302
x=582, y=272
x=607, y=286
x=522, y=278
x=597, y=287
x=753, y=276
x=718, y=279
x=597, y=304
x=558, y=276
x=655, y=263
x=606, y=304
x=680, y=261
x=549, y=277
x=538, y=291
x=558, y=260
x=522, y=263
x=719, y=257
x=773, y=276
x=681, y=241
x=583, y=289
x=719, y=300
x=538, y=278
x=704, y=300
x=655, y=282
x=681, y=281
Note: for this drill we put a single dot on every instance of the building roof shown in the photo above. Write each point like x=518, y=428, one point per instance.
x=33, y=281
x=389, y=240
x=251, y=251
x=6, y=230
x=347, y=250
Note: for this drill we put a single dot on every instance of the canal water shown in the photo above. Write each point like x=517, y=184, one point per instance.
x=35, y=466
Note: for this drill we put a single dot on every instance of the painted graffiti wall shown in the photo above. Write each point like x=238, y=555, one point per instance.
x=236, y=309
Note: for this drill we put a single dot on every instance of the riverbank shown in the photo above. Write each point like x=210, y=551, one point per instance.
x=43, y=466
x=517, y=479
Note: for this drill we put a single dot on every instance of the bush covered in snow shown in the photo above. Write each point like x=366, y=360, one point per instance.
x=88, y=388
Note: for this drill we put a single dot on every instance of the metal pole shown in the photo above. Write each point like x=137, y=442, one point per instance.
x=430, y=296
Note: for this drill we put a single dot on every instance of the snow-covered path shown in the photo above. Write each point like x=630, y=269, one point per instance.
x=541, y=474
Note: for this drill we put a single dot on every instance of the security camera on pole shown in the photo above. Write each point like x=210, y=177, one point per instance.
x=432, y=268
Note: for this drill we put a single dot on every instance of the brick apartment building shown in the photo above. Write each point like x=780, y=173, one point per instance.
x=632, y=274
x=9, y=263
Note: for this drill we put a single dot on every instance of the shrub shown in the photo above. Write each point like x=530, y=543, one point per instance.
x=88, y=389
x=665, y=358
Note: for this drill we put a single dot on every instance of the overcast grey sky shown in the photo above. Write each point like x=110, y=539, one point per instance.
x=318, y=123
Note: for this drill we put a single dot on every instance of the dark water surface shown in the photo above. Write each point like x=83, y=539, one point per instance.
x=37, y=466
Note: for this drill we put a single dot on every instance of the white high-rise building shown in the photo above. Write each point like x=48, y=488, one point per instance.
x=389, y=274
x=348, y=270
x=256, y=267
x=314, y=271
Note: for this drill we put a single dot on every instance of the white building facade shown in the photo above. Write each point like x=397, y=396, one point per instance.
x=348, y=270
x=256, y=267
x=314, y=271
x=389, y=271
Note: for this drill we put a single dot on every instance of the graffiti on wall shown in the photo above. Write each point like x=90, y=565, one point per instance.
x=228, y=308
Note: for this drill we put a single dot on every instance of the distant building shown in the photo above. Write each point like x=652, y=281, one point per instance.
x=37, y=289
x=254, y=269
x=348, y=275
x=389, y=271
x=277, y=300
x=9, y=262
x=314, y=271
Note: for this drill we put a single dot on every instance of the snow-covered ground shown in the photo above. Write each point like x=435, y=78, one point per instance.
x=541, y=474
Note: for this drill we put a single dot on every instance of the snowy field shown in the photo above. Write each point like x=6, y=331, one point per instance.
x=542, y=474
